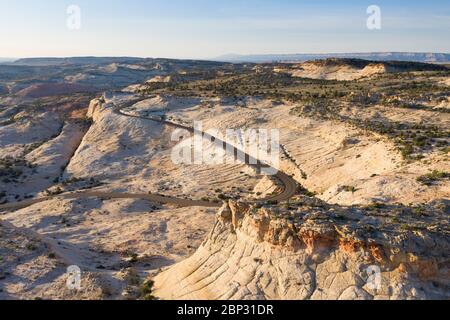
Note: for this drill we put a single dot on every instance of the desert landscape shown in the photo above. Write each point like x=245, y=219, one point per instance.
x=87, y=179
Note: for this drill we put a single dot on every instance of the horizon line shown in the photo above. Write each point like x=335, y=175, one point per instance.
x=221, y=56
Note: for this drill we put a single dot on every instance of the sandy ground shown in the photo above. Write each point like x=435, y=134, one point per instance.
x=100, y=236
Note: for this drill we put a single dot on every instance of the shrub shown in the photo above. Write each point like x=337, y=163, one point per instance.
x=375, y=205
x=433, y=177
x=407, y=151
x=349, y=189
x=31, y=247
x=134, y=258
x=222, y=197
x=147, y=289
x=419, y=211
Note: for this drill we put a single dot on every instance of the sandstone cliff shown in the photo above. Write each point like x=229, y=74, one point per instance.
x=355, y=69
x=311, y=250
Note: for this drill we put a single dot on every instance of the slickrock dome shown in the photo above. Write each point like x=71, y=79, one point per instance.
x=311, y=250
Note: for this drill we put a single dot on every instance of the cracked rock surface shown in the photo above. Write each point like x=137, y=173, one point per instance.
x=308, y=249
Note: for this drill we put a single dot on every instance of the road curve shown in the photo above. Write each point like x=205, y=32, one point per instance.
x=113, y=195
x=288, y=184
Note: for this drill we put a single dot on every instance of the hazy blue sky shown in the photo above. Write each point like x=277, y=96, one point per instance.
x=209, y=28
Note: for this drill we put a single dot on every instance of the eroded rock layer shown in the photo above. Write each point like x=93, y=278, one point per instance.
x=311, y=250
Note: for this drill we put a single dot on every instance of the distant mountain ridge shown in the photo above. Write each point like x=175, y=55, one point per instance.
x=235, y=58
x=3, y=60
x=87, y=60
x=373, y=56
x=49, y=61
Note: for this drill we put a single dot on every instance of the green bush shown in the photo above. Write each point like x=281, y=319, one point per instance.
x=222, y=197
x=147, y=289
x=433, y=177
x=349, y=189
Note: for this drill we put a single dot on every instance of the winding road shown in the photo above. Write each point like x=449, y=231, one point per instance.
x=288, y=184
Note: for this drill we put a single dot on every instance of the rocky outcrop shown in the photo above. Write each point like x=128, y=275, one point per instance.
x=311, y=250
x=339, y=72
x=113, y=143
x=354, y=69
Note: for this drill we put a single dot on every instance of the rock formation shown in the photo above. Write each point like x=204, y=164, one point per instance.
x=311, y=250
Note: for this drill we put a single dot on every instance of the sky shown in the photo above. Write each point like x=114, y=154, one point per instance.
x=210, y=28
